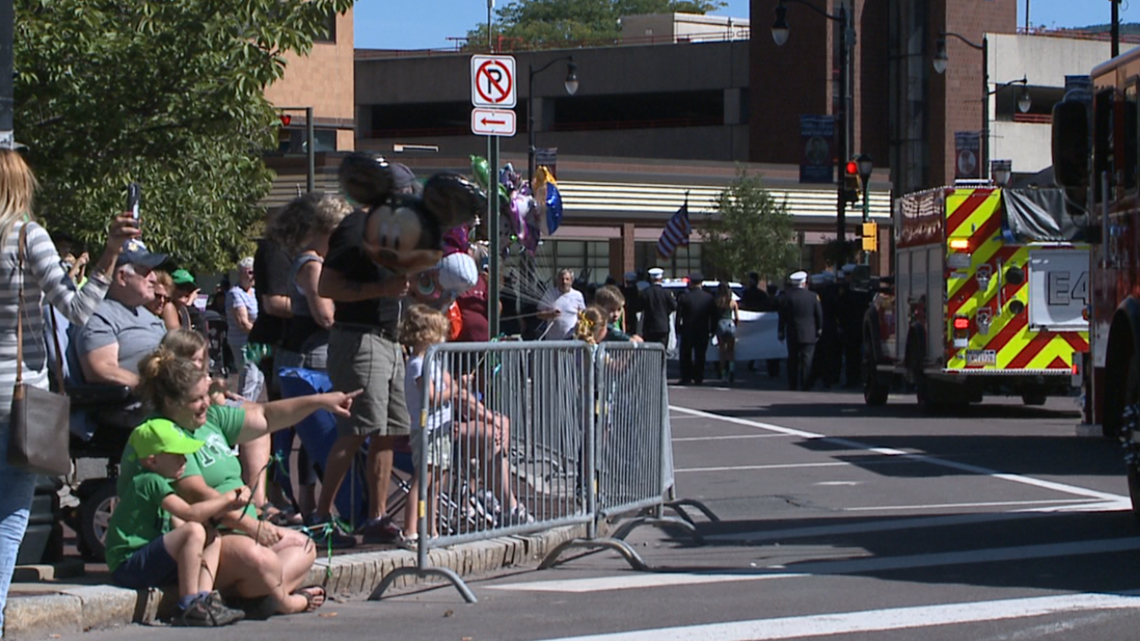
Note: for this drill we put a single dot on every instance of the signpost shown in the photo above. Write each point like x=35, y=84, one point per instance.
x=493, y=97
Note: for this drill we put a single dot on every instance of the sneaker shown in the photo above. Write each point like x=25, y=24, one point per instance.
x=329, y=534
x=223, y=614
x=197, y=615
x=380, y=530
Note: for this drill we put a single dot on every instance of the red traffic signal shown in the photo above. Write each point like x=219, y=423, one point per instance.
x=286, y=119
x=851, y=182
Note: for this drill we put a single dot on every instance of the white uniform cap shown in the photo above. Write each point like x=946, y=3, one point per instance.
x=656, y=272
x=797, y=278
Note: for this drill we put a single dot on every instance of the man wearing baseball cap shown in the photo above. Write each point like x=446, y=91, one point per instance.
x=139, y=554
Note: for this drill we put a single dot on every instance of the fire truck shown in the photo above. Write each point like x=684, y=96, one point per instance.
x=989, y=294
x=1096, y=156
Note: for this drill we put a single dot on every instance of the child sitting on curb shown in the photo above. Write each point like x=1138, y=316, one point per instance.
x=155, y=538
x=421, y=328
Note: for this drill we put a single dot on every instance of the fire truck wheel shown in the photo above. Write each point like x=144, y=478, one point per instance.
x=1033, y=398
x=1134, y=490
x=875, y=391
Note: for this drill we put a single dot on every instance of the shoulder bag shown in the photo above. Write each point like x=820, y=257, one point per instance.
x=38, y=434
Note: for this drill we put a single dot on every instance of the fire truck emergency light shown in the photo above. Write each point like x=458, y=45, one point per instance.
x=961, y=322
x=960, y=244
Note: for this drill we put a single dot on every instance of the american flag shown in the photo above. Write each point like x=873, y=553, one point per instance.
x=676, y=232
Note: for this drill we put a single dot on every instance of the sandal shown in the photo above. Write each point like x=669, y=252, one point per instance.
x=314, y=596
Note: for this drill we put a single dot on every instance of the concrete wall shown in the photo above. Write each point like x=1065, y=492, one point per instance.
x=1044, y=61
x=667, y=27
x=322, y=80
x=610, y=71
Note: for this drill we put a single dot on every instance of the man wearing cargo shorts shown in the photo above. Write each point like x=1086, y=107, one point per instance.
x=364, y=353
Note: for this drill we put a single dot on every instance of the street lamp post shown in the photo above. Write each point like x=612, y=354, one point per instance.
x=941, y=58
x=571, y=85
x=846, y=59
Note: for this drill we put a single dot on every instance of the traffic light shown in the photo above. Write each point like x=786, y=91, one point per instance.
x=870, y=237
x=852, y=185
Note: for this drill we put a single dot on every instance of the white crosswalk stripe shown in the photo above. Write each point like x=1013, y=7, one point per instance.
x=876, y=620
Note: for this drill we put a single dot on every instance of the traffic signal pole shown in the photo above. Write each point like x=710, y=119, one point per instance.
x=7, y=67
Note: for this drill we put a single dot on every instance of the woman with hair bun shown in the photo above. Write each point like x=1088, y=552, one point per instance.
x=258, y=559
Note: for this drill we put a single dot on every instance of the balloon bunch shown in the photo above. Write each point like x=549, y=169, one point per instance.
x=527, y=216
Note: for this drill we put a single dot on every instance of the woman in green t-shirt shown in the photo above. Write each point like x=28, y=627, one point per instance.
x=258, y=559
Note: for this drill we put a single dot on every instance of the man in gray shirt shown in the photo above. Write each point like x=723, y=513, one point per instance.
x=122, y=330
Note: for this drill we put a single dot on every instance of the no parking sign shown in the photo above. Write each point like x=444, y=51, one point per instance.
x=493, y=81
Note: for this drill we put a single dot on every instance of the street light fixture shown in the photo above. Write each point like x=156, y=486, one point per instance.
x=571, y=86
x=1024, y=102
x=780, y=31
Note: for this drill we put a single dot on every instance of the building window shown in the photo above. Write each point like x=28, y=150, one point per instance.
x=328, y=33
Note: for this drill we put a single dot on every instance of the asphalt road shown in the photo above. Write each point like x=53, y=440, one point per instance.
x=837, y=521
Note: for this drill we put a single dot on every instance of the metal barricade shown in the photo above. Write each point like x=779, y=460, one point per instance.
x=504, y=441
x=514, y=438
x=633, y=452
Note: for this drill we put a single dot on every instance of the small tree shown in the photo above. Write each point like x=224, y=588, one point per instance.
x=752, y=233
x=165, y=93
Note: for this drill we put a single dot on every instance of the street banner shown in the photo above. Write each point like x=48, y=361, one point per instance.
x=817, y=133
x=547, y=157
x=967, y=155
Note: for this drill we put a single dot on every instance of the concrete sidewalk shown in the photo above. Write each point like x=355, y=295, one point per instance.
x=53, y=607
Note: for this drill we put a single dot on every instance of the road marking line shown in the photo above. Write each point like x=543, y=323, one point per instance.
x=841, y=567
x=774, y=466
x=1062, y=488
x=864, y=463
x=876, y=620
x=724, y=438
x=886, y=525
x=638, y=581
x=935, y=506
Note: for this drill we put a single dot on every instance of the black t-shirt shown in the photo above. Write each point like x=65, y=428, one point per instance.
x=348, y=258
x=271, y=277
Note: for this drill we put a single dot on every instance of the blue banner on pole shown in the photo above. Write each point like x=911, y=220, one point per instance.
x=817, y=162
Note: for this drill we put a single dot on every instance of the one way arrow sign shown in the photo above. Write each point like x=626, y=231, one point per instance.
x=492, y=122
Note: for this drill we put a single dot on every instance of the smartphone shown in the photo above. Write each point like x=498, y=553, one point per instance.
x=133, y=197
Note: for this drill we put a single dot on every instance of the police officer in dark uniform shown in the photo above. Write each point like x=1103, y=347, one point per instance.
x=656, y=306
x=632, y=301
x=696, y=317
x=853, y=305
x=801, y=322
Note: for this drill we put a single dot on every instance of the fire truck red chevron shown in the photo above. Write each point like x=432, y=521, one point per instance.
x=1025, y=356
x=968, y=206
x=1011, y=329
x=1076, y=341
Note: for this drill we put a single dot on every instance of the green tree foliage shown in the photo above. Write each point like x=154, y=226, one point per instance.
x=549, y=23
x=752, y=233
x=165, y=93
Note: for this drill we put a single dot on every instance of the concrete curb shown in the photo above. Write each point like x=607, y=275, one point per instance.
x=72, y=609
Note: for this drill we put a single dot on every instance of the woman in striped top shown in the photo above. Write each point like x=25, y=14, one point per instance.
x=42, y=277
